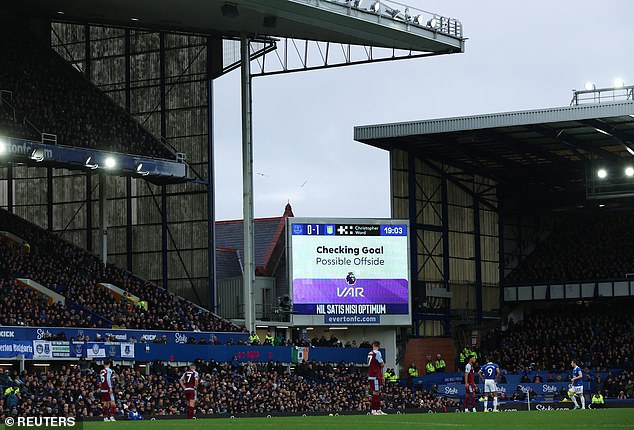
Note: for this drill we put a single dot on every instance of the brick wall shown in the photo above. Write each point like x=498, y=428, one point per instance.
x=417, y=350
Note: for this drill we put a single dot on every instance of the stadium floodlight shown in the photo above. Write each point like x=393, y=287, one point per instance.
x=589, y=86
x=629, y=171
x=3, y=146
x=618, y=83
x=140, y=171
x=392, y=12
x=37, y=155
x=602, y=173
x=89, y=164
x=110, y=162
x=419, y=19
x=375, y=7
x=433, y=23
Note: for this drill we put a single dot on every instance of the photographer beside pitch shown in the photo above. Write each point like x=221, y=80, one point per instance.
x=490, y=373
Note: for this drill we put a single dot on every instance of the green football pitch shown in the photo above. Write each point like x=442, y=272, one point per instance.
x=559, y=420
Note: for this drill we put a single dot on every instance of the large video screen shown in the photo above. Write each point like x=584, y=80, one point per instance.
x=349, y=271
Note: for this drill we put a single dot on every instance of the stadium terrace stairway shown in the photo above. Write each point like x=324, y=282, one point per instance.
x=74, y=273
x=57, y=99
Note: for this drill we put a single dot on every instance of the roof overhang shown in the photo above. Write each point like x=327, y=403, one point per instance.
x=542, y=155
x=334, y=21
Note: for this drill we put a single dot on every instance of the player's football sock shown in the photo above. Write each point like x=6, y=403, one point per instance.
x=189, y=412
x=376, y=402
x=583, y=402
x=495, y=403
x=574, y=400
x=105, y=411
x=486, y=404
x=112, y=411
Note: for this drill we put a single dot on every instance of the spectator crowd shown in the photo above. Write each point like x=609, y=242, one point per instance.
x=582, y=248
x=600, y=336
x=225, y=388
x=74, y=273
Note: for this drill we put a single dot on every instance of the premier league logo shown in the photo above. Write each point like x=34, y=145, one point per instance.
x=351, y=279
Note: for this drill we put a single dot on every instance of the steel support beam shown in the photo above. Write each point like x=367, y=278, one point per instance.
x=214, y=62
x=49, y=198
x=164, y=237
x=129, y=244
x=445, y=230
x=128, y=224
x=247, y=184
x=501, y=257
x=413, y=239
x=103, y=219
x=10, y=188
x=89, y=212
x=478, y=258
x=164, y=232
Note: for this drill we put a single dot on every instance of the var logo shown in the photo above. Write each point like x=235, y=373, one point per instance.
x=350, y=292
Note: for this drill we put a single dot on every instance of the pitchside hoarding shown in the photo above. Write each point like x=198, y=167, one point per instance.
x=349, y=271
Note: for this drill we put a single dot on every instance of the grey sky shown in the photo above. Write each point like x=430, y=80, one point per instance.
x=520, y=55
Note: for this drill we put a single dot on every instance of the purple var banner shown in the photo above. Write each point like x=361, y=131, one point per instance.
x=339, y=291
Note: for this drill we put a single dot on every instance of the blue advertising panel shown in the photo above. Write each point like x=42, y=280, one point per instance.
x=46, y=349
x=539, y=389
x=171, y=337
x=11, y=349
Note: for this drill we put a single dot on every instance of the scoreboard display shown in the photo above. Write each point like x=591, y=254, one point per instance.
x=345, y=271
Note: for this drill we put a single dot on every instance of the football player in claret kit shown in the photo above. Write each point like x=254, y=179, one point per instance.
x=490, y=373
x=375, y=377
x=106, y=386
x=469, y=384
x=189, y=382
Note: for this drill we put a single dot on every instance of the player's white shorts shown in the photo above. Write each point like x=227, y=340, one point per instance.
x=577, y=389
x=489, y=386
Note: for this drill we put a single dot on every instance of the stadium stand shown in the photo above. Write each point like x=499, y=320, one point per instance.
x=56, y=98
x=583, y=247
x=20, y=306
x=74, y=273
x=225, y=388
x=597, y=336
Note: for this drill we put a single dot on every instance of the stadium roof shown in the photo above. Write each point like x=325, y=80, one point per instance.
x=540, y=155
x=328, y=20
x=268, y=234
